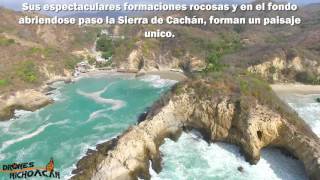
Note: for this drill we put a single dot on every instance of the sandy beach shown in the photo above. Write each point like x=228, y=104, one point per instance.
x=177, y=76
x=170, y=75
x=296, y=89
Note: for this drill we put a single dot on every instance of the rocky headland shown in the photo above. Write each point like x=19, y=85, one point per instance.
x=29, y=100
x=241, y=110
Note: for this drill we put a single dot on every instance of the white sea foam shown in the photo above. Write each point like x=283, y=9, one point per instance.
x=106, y=127
x=2, y=157
x=102, y=113
x=97, y=114
x=157, y=82
x=198, y=160
x=307, y=108
x=8, y=127
x=96, y=96
x=6, y=144
x=21, y=113
x=25, y=152
x=56, y=94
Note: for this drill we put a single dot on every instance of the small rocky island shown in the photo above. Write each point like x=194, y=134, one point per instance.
x=239, y=109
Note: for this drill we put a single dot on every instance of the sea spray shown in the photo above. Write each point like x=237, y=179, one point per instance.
x=157, y=82
x=193, y=158
x=307, y=108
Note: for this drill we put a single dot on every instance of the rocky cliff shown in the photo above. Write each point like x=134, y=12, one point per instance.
x=29, y=100
x=221, y=111
x=283, y=67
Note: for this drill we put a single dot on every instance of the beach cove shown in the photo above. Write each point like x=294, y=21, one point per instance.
x=91, y=110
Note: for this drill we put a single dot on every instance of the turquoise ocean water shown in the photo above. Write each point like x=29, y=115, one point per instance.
x=86, y=112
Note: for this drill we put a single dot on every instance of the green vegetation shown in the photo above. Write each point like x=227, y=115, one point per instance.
x=6, y=42
x=307, y=77
x=71, y=62
x=318, y=100
x=85, y=37
x=226, y=45
x=104, y=64
x=3, y=82
x=106, y=55
x=105, y=45
x=213, y=63
x=27, y=71
x=91, y=60
x=46, y=52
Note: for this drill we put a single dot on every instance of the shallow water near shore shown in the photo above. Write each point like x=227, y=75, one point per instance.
x=87, y=112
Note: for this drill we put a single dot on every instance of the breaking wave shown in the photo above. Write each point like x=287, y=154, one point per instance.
x=307, y=108
x=193, y=158
x=157, y=82
x=6, y=144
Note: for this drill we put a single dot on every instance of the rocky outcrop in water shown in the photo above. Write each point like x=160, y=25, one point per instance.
x=221, y=112
x=29, y=100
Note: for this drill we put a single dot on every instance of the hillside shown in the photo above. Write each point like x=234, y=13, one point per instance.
x=33, y=54
x=277, y=53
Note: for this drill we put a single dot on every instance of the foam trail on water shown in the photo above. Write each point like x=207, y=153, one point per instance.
x=100, y=113
x=97, y=114
x=96, y=96
x=6, y=144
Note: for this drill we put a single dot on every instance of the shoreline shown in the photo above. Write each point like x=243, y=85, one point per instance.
x=40, y=98
x=298, y=89
x=164, y=74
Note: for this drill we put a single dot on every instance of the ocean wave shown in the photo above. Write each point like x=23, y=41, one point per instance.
x=56, y=94
x=157, y=82
x=221, y=161
x=21, y=113
x=24, y=153
x=96, y=96
x=6, y=144
x=309, y=112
